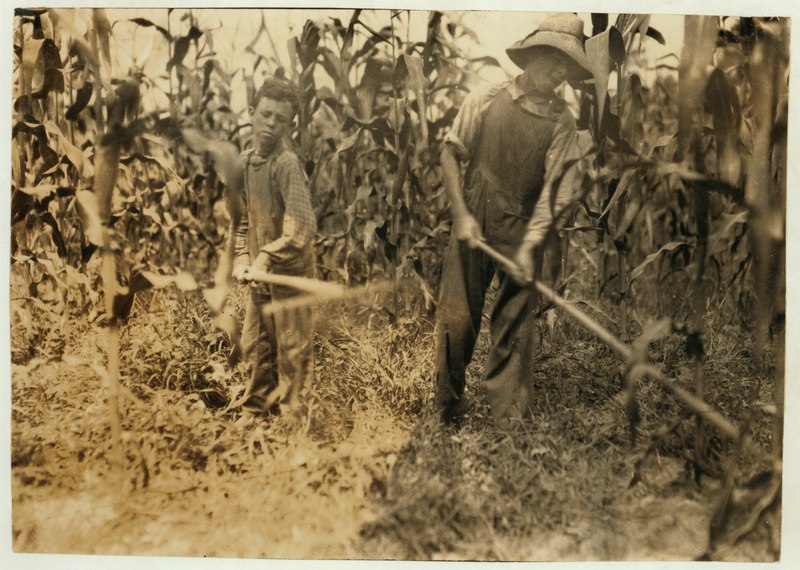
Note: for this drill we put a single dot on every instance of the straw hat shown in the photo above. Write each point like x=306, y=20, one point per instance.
x=561, y=31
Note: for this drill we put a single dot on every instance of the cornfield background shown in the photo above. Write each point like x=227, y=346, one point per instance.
x=126, y=128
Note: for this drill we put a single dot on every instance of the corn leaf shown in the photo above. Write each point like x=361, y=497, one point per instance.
x=722, y=101
x=621, y=189
x=418, y=83
x=602, y=51
x=633, y=111
x=700, y=36
x=89, y=211
x=671, y=246
x=102, y=28
x=147, y=23
x=144, y=280
x=30, y=53
x=82, y=97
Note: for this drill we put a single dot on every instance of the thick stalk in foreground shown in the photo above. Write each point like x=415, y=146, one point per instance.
x=112, y=353
x=106, y=168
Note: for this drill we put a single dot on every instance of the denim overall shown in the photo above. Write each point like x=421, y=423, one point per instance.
x=503, y=182
x=279, y=349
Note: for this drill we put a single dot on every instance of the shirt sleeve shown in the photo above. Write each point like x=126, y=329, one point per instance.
x=561, y=179
x=467, y=124
x=299, y=221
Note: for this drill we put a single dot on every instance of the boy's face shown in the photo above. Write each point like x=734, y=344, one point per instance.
x=549, y=70
x=271, y=122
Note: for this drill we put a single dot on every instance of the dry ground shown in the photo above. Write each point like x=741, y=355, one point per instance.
x=369, y=472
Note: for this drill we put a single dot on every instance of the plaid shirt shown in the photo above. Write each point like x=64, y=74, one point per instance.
x=280, y=220
x=466, y=129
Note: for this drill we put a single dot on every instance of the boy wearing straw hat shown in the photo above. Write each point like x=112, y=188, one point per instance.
x=516, y=138
x=276, y=235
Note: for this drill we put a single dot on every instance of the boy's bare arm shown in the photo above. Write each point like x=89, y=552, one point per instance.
x=240, y=226
x=241, y=257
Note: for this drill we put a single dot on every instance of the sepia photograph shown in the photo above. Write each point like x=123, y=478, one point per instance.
x=393, y=283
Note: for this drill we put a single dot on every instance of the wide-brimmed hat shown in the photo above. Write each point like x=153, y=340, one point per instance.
x=563, y=32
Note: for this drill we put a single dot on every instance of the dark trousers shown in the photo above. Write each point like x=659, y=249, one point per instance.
x=467, y=275
x=279, y=349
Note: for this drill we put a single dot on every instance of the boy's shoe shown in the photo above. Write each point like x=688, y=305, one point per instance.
x=451, y=411
x=249, y=416
x=448, y=405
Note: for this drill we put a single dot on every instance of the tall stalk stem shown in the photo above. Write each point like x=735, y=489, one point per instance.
x=395, y=210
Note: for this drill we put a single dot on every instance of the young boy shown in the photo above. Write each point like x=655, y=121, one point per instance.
x=517, y=138
x=276, y=235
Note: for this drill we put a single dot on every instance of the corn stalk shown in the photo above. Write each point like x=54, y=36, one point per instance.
x=107, y=154
x=700, y=36
x=400, y=174
x=765, y=198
